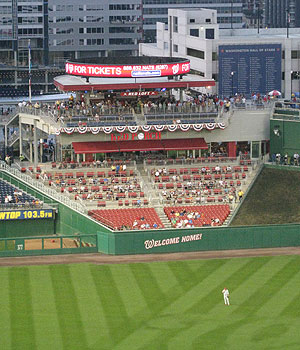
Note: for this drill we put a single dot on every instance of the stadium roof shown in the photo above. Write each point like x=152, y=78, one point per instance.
x=139, y=145
x=76, y=83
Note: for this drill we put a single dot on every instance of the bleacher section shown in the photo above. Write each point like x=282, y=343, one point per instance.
x=127, y=219
x=205, y=184
x=103, y=185
x=14, y=196
x=197, y=216
x=208, y=189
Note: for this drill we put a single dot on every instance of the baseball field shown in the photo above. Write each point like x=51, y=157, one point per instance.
x=153, y=306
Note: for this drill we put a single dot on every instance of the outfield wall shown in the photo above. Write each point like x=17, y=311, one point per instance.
x=218, y=238
x=25, y=228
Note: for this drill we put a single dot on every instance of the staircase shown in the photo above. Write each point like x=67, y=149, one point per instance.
x=163, y=217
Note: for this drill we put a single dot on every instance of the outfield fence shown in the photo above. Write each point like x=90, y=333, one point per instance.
x=48, y=245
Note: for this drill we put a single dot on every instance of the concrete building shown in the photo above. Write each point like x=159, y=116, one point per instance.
x=279, y=13
x=94, y=28
x=196, y=35
x=21, y=21
x=229, y=13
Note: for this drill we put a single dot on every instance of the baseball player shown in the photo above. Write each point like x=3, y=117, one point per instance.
x=225, y=292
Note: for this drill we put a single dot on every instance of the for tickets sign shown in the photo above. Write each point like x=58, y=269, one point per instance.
x=128, y=71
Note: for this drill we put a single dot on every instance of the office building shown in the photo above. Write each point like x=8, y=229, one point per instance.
x=229, y=13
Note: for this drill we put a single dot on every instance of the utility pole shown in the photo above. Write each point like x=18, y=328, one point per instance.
x=29, y=69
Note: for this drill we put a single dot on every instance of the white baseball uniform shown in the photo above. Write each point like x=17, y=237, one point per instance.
x=225, y=292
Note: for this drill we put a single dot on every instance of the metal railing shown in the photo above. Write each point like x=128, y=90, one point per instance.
x=190, y=161
x=62, y=117
x=47, y=191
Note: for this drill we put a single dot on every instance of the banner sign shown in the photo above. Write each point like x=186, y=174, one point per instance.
x=128, y=71
x=139, y=93
x=125, y=136
x=26, y=214
x=152, y=243
x=249, y=69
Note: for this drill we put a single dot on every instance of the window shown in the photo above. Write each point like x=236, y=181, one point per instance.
x=214, y=56
x=64, y=30
x=95, y=41
x=295, y=54
x=94, y=19
x=207, y=20
x=121, y=30
x=166, y=45
x=194, y=32
x=175, y=24
x=175, y=48
x=192, y=20
x=215, y=76
x=94, y=30
x=121, y=41
x=209, y=33
x=195, y=53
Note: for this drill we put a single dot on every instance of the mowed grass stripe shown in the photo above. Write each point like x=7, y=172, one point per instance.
x=207, y=285
x=135, y=303
x=222, y=332
x=276, y=305
x=21, y=313
x=272, y=285
x=69, y=318
x=152, y=325
x=4, y=310
x=117, y=320
x=89, y=305
x=146, y=281
x=202, y=301
x=45, y=315
x=164, y=279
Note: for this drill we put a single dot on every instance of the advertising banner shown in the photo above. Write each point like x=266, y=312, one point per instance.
x=249, y=69
x=26, y=214
x=128, y=71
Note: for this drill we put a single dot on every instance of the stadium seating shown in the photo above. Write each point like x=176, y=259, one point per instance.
x=197, y=216
x=135, y=218
x=21, y=198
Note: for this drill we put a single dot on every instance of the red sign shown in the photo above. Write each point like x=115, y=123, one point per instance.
x=136, y=136
x=139, y=93
x=128, y=71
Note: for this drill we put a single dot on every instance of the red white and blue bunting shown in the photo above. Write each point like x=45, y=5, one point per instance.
x=146, y=128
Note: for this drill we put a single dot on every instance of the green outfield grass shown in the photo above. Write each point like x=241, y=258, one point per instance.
x=273, y=199
x=156, y=306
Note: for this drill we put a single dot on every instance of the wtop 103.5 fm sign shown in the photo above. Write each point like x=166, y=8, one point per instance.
x=249, y=69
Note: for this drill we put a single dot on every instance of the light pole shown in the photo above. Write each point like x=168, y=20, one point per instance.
x=291, y=83
x=232, y=74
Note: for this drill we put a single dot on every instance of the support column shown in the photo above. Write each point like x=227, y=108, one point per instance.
x=181, y=95
x=5, y=138
x=231, y=149
x=20, y=137
x=35, y=145
x=30, y=151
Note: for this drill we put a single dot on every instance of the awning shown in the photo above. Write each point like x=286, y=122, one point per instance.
x=139, y=145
